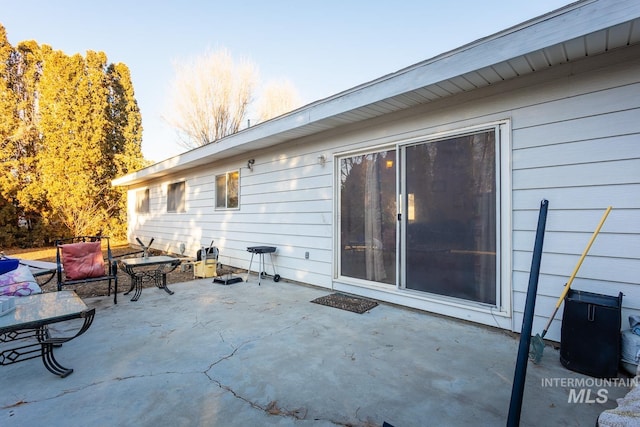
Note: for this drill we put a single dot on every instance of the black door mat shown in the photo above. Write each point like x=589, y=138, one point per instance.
x=346, y=302
x=226, y=275
x=227, y=280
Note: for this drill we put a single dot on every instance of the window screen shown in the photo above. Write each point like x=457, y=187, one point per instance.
x=175, y=197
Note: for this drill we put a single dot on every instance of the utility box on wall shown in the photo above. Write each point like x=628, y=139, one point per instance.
x=590, y=334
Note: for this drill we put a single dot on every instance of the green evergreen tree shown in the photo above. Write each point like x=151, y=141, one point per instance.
x=8, y=125
x=19, y=139
x=31, y=199
x=124, y=139
x=125, y=136
x=65, y=176
x=68, y=126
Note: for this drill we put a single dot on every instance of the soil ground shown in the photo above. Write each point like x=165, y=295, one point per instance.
x=95, y=289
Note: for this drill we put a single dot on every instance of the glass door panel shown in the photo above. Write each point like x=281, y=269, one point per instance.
x=368, y=217
x=450, y=217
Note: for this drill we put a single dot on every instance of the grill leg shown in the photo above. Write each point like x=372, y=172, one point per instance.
x=261, y=266
x=249, y=270
x=273, y=265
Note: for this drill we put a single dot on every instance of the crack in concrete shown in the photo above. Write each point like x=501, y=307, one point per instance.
x=272, y=407
x=88, y=386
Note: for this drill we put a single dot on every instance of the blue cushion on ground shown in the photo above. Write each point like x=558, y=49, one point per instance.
x=8, y=264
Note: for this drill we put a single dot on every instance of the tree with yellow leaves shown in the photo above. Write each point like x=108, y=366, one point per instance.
x=70, y=125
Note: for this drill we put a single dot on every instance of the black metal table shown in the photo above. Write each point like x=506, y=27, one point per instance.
x=153, y=268
x=27, y=327
x=261, y=250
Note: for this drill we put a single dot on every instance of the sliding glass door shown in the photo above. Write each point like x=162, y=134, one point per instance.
x=442, y=239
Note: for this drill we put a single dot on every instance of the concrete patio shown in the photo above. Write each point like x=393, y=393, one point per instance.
x=249, y=355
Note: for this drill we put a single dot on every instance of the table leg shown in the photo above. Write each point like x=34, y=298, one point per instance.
x=132, y=285
x=138, y=292
x=136, y=283
x=48, y=358
x=161, y=281
x=52, y=364
x=30, y=351
x=47, y=344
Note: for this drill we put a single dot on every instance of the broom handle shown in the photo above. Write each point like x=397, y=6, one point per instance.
x=575, y=270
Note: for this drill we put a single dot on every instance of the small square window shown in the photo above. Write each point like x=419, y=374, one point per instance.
x=175, y=197
x=142, y=201
x=227, y=190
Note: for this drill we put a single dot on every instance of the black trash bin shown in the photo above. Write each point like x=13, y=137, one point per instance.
x=590, y=334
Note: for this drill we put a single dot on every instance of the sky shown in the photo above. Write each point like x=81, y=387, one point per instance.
x=322, y=47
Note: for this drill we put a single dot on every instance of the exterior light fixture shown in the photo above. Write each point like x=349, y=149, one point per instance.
x=322, y=159
x=250, y=163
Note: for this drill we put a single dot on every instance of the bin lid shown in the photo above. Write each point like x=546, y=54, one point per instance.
x=595, y=299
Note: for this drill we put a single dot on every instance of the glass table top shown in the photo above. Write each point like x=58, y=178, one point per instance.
x=41, y=307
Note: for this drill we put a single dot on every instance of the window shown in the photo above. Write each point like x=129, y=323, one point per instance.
x=227, y=190
x=142, y=201
x=175, y=197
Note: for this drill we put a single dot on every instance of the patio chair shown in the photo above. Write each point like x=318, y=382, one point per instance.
x=80, y=261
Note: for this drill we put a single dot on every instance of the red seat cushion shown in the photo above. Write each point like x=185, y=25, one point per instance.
x=82, y=260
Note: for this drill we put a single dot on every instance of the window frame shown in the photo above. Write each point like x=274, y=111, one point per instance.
x=228, y=175
x=392, y=277
x=142, y=205
x=178, y=206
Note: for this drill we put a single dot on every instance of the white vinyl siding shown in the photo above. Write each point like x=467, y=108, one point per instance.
x=573, y=141
x=282, y=208
x=582, y=155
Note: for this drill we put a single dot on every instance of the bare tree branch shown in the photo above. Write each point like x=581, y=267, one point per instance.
x=278, y=97
x=212, y=96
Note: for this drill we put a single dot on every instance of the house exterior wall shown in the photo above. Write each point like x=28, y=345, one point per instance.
x=572, y=137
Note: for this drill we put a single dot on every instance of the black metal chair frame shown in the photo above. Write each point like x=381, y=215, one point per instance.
x=36, y=342
x=110, y=275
